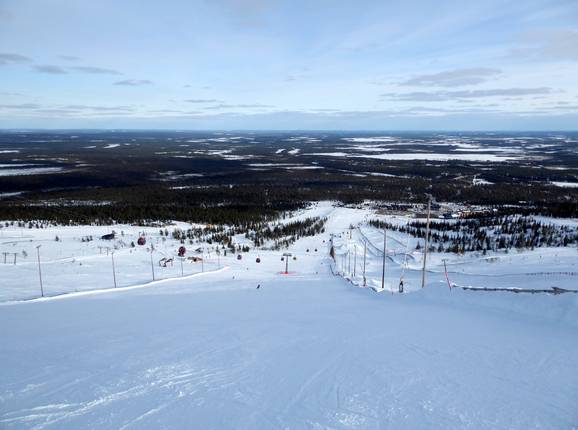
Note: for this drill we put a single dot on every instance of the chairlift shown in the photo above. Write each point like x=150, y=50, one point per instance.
x=404, y=267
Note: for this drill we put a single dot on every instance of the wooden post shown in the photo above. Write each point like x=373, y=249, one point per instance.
x=364, y=254
x=113, y=270
x=39, y=271
x=152, y=265
x=383, y=262
x=426, y=243
x=348, y=261
x=447, y=277
x=354, y=259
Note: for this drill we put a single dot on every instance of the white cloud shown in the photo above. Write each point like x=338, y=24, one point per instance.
x=9, y=58
x=134, y=82
x=438, y=96
x=454, y=78
x=50, y=69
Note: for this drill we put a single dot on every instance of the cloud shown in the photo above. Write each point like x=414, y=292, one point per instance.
x=454, y=78
x=4, y=15
x=134, y=82
x=99, y=108
x=440, y=96
x=58, y=70
x=50, y=69
x=246, y=13
x=69, y=58
x=95, y=70
x=549, y=45
x=8, y=58
x=203, y=101
x=23, y=106
x=239, y=106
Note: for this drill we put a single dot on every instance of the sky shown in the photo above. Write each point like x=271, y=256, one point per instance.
x=289, y=64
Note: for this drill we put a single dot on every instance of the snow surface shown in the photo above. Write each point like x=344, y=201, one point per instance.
x=565, y=184
x=30, y=171
x=307, y=350
x=424, y=156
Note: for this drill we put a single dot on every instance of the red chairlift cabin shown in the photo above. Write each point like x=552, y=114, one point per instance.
x=182, y=251
x=258, y=260
x=141, y=241
x=239, y=257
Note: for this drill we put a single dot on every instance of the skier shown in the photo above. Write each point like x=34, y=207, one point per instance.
x=400, y=288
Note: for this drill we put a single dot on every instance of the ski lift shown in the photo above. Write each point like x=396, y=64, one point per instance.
x=239, y=257
x=141, y=241
x=182, y=251
x=405, y=264
x=258, y=260
x=294, y=257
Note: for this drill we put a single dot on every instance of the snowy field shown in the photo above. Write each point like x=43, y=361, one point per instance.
x=312, y=349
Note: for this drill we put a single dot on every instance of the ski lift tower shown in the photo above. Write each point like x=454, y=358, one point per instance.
x=287, y=255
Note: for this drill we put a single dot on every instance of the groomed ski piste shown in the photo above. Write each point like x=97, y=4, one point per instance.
x=203, y=347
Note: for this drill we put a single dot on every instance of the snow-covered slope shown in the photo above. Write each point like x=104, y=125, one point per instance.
x=307, y=350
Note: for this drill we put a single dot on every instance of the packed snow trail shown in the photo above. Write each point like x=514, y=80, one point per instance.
x=303, y=351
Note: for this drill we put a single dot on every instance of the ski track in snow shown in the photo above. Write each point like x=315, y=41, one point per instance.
x=305, y=351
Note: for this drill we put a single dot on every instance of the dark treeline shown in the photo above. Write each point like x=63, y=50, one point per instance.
x=487, y=233
x=285, y=234
x=253, y=203
x=281, y=234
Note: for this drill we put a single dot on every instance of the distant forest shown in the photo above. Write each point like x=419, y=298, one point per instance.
x=239, y=205
x=144, y=177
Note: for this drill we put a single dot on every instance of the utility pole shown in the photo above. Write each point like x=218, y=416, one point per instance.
x=354, y=259
x=383, y=259
x=15, y=254
x=5, y=255
x=287, y=255
x=348, y=261
x=113, y=270
x=426, y=243
x=447, y=277
x=39, y=271
x=181, y=258
x=364, y=254
x=152, y=265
